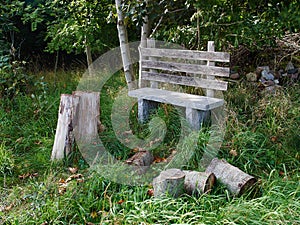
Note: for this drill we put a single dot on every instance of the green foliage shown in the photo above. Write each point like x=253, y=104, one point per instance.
x=6, y=160
x=13, y=78
x=73, y=25
x=254, y=24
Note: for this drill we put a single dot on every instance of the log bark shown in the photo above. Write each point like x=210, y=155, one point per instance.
x=198, y=182
x=237, y=181
x=141, y=161
x=64, y=138
x=169, y=182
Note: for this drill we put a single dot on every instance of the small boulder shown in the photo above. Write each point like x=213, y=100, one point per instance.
x=252, y=77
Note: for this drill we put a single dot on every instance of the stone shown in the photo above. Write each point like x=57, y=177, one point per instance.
x=266, y=75
x=252, y=77
x=234, y=76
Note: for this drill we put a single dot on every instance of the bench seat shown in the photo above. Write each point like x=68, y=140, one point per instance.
x=177, y=98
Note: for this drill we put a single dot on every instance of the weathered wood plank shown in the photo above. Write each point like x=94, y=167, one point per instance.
x=64, y=138
x=185, y=80
x=187, y=54
x=151, y=44
x=177, y=98
x=187, y=68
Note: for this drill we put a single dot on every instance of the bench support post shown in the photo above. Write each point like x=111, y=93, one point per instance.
x=144, y=108
x=196, y=117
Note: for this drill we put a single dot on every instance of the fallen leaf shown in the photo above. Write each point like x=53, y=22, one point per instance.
x=233, y=152
x=28, y=175
x=89, y=223
x=8, y=208
x=61, y=181
x=74, y=177
x=94, y=214
x=73, y=169
x=62, y=189
x=159, y=159
x=150, y=192
x=120, y=202
x=37, y=142
x=19, y=139
x=273, y=138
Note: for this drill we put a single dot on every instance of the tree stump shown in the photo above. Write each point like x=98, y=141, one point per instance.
x=64, y=138
x=198, y=182
x=169, y=182
x=141, y=161
x=232, y=177
x=77, y=119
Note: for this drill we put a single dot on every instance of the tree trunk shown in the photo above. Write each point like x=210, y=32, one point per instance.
x=89, y=59
x=198, y=182
x=169, y=182
x=232, y=177
x=123, y=39
x=145, y=32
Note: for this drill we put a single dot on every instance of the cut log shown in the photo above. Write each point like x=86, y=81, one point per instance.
x=64, y=138
x=198, y=182
x=169, y=182
x=232, y=177
x=141, y=161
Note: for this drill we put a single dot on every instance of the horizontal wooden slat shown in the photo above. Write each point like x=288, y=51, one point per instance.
x=187, y=68
x=177, y=98
x=185, y=80
x=186, y=54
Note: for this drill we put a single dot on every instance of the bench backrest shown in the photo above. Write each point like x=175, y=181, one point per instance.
x=184, y=67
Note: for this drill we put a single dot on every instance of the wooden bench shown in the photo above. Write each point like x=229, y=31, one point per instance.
x=163, y=67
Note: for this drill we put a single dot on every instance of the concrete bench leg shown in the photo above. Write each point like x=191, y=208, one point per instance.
x=144, y=109
x=196, y=117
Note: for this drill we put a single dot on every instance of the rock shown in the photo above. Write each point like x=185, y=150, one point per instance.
x=289, y=66
x=267, y=75
x=271, y=89
x=234, y=76
x=266, y=68
x=252, y=77
x=293, y=73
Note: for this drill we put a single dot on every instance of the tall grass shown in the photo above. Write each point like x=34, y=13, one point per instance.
x=262, y=138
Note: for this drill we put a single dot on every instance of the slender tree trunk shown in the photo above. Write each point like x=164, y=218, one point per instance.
x=198, y=29
x=124, y=46
x=145, y=32
x=89, y=58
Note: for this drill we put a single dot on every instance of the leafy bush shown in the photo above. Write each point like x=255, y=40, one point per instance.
x=6, y=162
x=13, y=79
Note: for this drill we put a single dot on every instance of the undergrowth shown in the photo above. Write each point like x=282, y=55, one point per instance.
x=262, y=138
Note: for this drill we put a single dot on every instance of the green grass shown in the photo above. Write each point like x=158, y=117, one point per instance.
x=262, y=131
